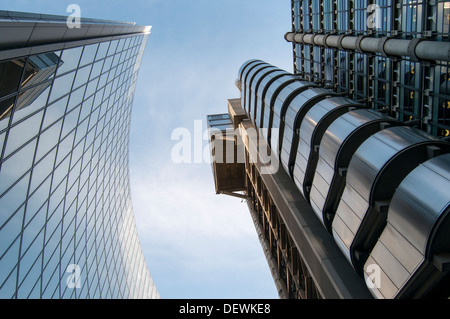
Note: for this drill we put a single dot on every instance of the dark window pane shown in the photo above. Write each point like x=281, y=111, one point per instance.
x=6, y=106
x=10, y=74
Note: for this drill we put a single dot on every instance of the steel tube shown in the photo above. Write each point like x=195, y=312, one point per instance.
x=417, y=49
x=333, y=41
x=397, y=47
x=307, y=38
x=349, y=42
x=319, y=39
x=433, y=50
x=370, y=44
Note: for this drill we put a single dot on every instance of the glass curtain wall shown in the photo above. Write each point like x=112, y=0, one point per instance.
x=401, y=87
x=66, y=221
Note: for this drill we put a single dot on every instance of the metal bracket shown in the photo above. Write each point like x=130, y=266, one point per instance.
x=442, y=262
x=382, y=206
x=313, y=35
x=358, y=43
x=339, y=42
x=412, y=49
x=381, y=46
x=325, y=40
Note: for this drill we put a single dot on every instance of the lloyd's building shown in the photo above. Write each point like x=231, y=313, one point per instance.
x=67, y=228
x=345, y=162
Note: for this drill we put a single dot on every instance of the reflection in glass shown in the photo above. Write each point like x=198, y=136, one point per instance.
x=65, y=156
x=6, y=106
x=31, y=100
x=96, y=69
x=42, y=170
x=91, y=88
x=76, y=97
x=11, y=173
x=112, y=47
x=8, y=235
x=102, y=50
x=40, y=68
x=88, y=54
x=22, y=133
x=55, y=111
x=48, y=139
x=82, y=75
x=61, y=86
x=8, y=262
x=70, y=121
x=69, y=60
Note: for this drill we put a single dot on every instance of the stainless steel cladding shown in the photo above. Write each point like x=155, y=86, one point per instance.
x=261, y=91
x=379, y=186
x=255, y=85
x=248, y=83
x=312, y=129
x=339, y=143
x=375, y=171
x=295, y=113
x=412, y=251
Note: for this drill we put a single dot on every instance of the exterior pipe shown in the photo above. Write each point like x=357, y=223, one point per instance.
x=416, y=49
x=400, y=48
x=349, y=43
x=333, y=41
x=319, y=39
x=434, y=50
x=370, y=44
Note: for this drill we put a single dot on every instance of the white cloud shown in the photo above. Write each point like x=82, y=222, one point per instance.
x=198, y=233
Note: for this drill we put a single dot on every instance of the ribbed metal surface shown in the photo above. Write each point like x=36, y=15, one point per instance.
x=348, y=161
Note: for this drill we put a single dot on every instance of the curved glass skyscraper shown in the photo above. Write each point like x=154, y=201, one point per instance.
x=67, y=228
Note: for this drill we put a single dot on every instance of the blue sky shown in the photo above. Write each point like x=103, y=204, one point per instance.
x=197, y=244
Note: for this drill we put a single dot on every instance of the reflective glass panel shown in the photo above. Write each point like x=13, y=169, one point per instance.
x=23, y=132
x=61, y=86
x=6, y=106
x=88, y=54
x=40, y=68
x=69, y=60
x=31, y=100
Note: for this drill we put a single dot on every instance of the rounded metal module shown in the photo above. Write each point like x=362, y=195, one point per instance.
x=263, y=84
x=244, y=76
x=279, y=106
x=412, y=254
x=295, y=114
x=338, y=144
x=244, y=67
x=252, y=71
x=272, y=90
x=255, y=88
x=312, y=129
x=283, y=106
x=378, y=185
x=374, y=172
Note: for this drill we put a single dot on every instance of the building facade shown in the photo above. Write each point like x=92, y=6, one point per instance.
x=66, y=219
x=388, y=54
x=345, y=171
